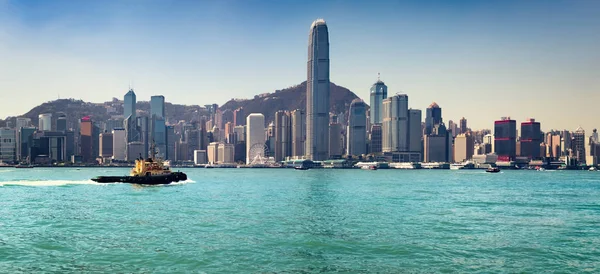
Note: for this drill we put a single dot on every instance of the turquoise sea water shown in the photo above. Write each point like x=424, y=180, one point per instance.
x=284, y=220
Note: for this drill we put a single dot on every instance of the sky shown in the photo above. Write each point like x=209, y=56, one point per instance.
x=477, y=59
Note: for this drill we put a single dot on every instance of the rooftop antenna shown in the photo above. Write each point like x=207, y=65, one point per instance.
x=378, y=76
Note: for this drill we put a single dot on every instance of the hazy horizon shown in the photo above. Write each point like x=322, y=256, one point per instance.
x=477, y=59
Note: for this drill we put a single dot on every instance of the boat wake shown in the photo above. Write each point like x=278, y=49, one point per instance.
x=47, y=183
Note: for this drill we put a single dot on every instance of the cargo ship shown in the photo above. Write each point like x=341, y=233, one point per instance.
x=151, y=171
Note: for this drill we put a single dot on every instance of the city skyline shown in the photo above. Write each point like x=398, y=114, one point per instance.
x=544, y=67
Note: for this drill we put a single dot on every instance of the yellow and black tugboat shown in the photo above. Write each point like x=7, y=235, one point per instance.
x=149, y=171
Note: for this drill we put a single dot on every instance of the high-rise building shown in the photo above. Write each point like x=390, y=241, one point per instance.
x=86, y=128
x=200, y=157
x=255, y=137
x=240, y=134
x=378, y=93
x=298, y=132
x=129, y=102
x=437, y=145
x=22, y=122
x=119, y=144
x=463, y=147
x=213, y=153
x=283, y=135
x=8, y=145
x=239, y=119
x=317, y=92
x=172, y=140
x=433, y=117
x=157, y=106
x=415, y=134
x=106, y=145
x=226, y=153
x=463, y=125
x=505, y=139
x=25, y=143
x=134, y=150
x=375, y=139
x=531, y=139
x=579, y=145
x=395, y=124
x=143, y=129
x=45, y=122
x=61, y=122
x=336, y=148
x=357, y=128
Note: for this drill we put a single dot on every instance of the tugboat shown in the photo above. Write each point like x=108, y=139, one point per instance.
x=149, y=171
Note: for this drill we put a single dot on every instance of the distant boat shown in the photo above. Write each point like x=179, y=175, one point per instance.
x=492, y=170
x=369, y=167
x=301, y=168
x=593, y=168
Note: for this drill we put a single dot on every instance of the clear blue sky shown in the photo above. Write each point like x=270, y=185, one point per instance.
x=477, y=59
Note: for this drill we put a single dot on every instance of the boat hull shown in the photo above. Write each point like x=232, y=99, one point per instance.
x=143, y=180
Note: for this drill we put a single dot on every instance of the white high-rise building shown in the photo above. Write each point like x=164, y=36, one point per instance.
x=317, y=92
x=22, y=122
x=255, y=137
x=119, y=144
x=213, y=153
x=45, y=122
x=226, y=153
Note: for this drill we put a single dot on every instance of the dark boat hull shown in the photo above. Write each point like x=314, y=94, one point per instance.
x=143, y=180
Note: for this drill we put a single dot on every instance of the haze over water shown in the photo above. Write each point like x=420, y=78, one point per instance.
x=278, y=220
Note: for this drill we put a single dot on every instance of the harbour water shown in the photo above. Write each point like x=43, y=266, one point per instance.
x=285, y=220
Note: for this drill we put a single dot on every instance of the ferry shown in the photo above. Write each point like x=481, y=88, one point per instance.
x=151, y=171
x=458, y=166
x=492, y=170
x=370, y=167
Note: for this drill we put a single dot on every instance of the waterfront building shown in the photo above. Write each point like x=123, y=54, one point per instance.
x=119, y=144
x=463, y=125
x=593, y=151
x=375, y=139
x=226, y=153
x=106, y=145
x=255, y=137
x=578, y=143
x=437, y=145
x=283, y=135
x=433, y=117
x=86, y=139
x=317, y=93
x=213, y=153
x=378, y=94
x=25, y=142
x=463, y=147
x=45, y=121
x=298, y=132
x=8, y=145
x=181, y=151
x=357, y=128
x=505, y=139
x=61, y=122
x=134, y=150
x=200, y=157
x=49, y=146
x=531, y=139
x=336, y=142
x=22, y=122
x=415, y=133
x=395, y=124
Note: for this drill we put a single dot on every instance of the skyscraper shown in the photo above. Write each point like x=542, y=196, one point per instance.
x=129, y=104
x=283, y=135
x=505, y=139
x=357, y=128
x=433, y=117
x=395, y=124
x=415, y=134
x=463, y=125
x=157, y=106
x=336, y=142
x=317, y=92
x=86, y=131
x=158, y=127
x=579, y=145
x=463, y=147
x=45, y=122
x=375, y=138
x=378, y=93
x=298, y=132
x=61, y=122
x=531, y=139
x=255, y=137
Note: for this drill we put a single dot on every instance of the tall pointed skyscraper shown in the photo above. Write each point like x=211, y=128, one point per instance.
x=378, y=93
x=317, y=92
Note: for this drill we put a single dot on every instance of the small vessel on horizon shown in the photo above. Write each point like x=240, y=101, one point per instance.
x=492, y=170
